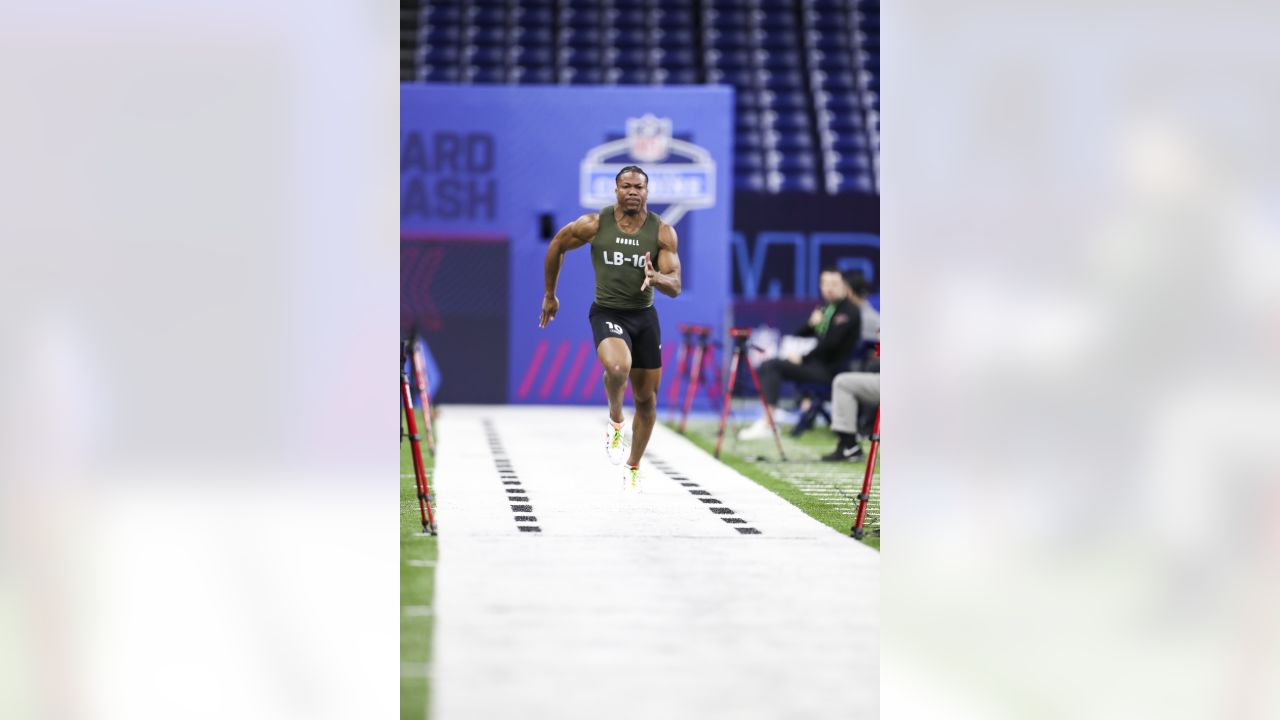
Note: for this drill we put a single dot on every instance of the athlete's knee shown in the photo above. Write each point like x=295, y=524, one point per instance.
x=617, y=370
x=647, y=406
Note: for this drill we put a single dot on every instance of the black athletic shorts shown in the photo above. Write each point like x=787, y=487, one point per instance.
x=637, y=328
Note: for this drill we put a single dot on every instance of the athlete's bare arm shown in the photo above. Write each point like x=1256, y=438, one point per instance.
x=574, y=235
x=666, y=277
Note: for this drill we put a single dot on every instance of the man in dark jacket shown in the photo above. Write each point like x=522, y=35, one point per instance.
x=837, y=324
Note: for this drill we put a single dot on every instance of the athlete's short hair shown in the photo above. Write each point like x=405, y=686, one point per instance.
x=631, y=168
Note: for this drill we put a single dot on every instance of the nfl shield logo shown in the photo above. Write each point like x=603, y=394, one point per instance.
x=649, y=138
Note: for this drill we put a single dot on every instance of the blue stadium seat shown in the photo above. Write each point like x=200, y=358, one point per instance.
x=749, y=181
x=533, y=75
x=676, y=76
x=478, y=74
x=839, y=102
x=630, y=18
x=853, y=164
x=627, y=56
x=727, y=18
x=439, y=34
x=628, y=37
x=780, y=60
x=843, y=122
x=532, y=55
x=671, y=17
x=435, y=14
x=778, y=38
x=747, y=120
x=746, y=140
x=727, y=58
x=483, y=35
x=748, y=161
x=437, y=54
x=579, y=37
x=833, y=80
x=532, y=36
x=849, y=143
x=580, y=18
x=532, y=16
x=447, y=73
x=786, y=5
x=854, y=183
x=794, y=162
x=673, y=36
x=727, y=38
x=831, y=5
x=485, y=54
x=674, y=57
x=799, y=182
x=583, y=75
x=581, y=56
x=795, y=140
x=630, y=76
x=783, y=79
x=788, y=99
x=738, y=78
x=789, y=120
x=488, y=15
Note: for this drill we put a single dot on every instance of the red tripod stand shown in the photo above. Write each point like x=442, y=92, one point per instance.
x=419, y=470
x=865, y=495
x=740, y=337
x=693, y=355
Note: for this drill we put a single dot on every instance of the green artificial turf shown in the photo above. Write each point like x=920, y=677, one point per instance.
x=826, y=491
x=417, y=588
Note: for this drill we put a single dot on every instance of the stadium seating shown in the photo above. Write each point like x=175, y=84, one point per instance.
x=806, y=72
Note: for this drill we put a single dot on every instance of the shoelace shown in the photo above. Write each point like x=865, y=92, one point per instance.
x=617, y=438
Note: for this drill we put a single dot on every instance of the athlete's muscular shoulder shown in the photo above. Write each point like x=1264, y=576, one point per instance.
x=577, y=233
x=667, y=239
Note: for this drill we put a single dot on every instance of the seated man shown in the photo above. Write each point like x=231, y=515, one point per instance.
x=837, y=325
x=847, y=390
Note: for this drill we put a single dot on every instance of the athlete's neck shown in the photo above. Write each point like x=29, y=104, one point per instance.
x=637, y=217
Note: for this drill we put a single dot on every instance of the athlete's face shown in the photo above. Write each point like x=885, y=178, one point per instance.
x=633, y=191
x=832, y=286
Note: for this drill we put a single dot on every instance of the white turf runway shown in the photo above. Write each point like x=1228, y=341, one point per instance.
x=704, y=596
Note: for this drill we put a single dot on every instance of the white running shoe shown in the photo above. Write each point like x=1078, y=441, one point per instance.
x=631, y=479
x=758, y=430
x=616, y=444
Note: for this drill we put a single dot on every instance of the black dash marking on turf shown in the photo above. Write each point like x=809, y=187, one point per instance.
x=706, y=498
x=507, y=475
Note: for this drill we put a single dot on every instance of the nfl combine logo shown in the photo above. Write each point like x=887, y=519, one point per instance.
x=682, y=176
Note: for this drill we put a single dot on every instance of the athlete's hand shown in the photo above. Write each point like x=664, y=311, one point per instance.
x=550, y=306
x=649, y=272
x=815, y=317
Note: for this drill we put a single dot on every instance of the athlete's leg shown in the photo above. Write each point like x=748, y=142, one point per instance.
x=644, y=389
x=615, y=356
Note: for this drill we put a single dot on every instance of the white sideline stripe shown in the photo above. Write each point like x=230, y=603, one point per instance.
x=637, y=606
x=422, y=563
x=417, y=610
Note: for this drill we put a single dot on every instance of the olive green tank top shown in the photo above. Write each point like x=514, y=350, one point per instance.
x=618, y=259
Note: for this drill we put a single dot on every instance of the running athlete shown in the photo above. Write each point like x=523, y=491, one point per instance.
x=632, y=252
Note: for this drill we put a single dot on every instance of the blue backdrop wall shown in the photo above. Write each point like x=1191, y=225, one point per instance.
x=489, y=173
